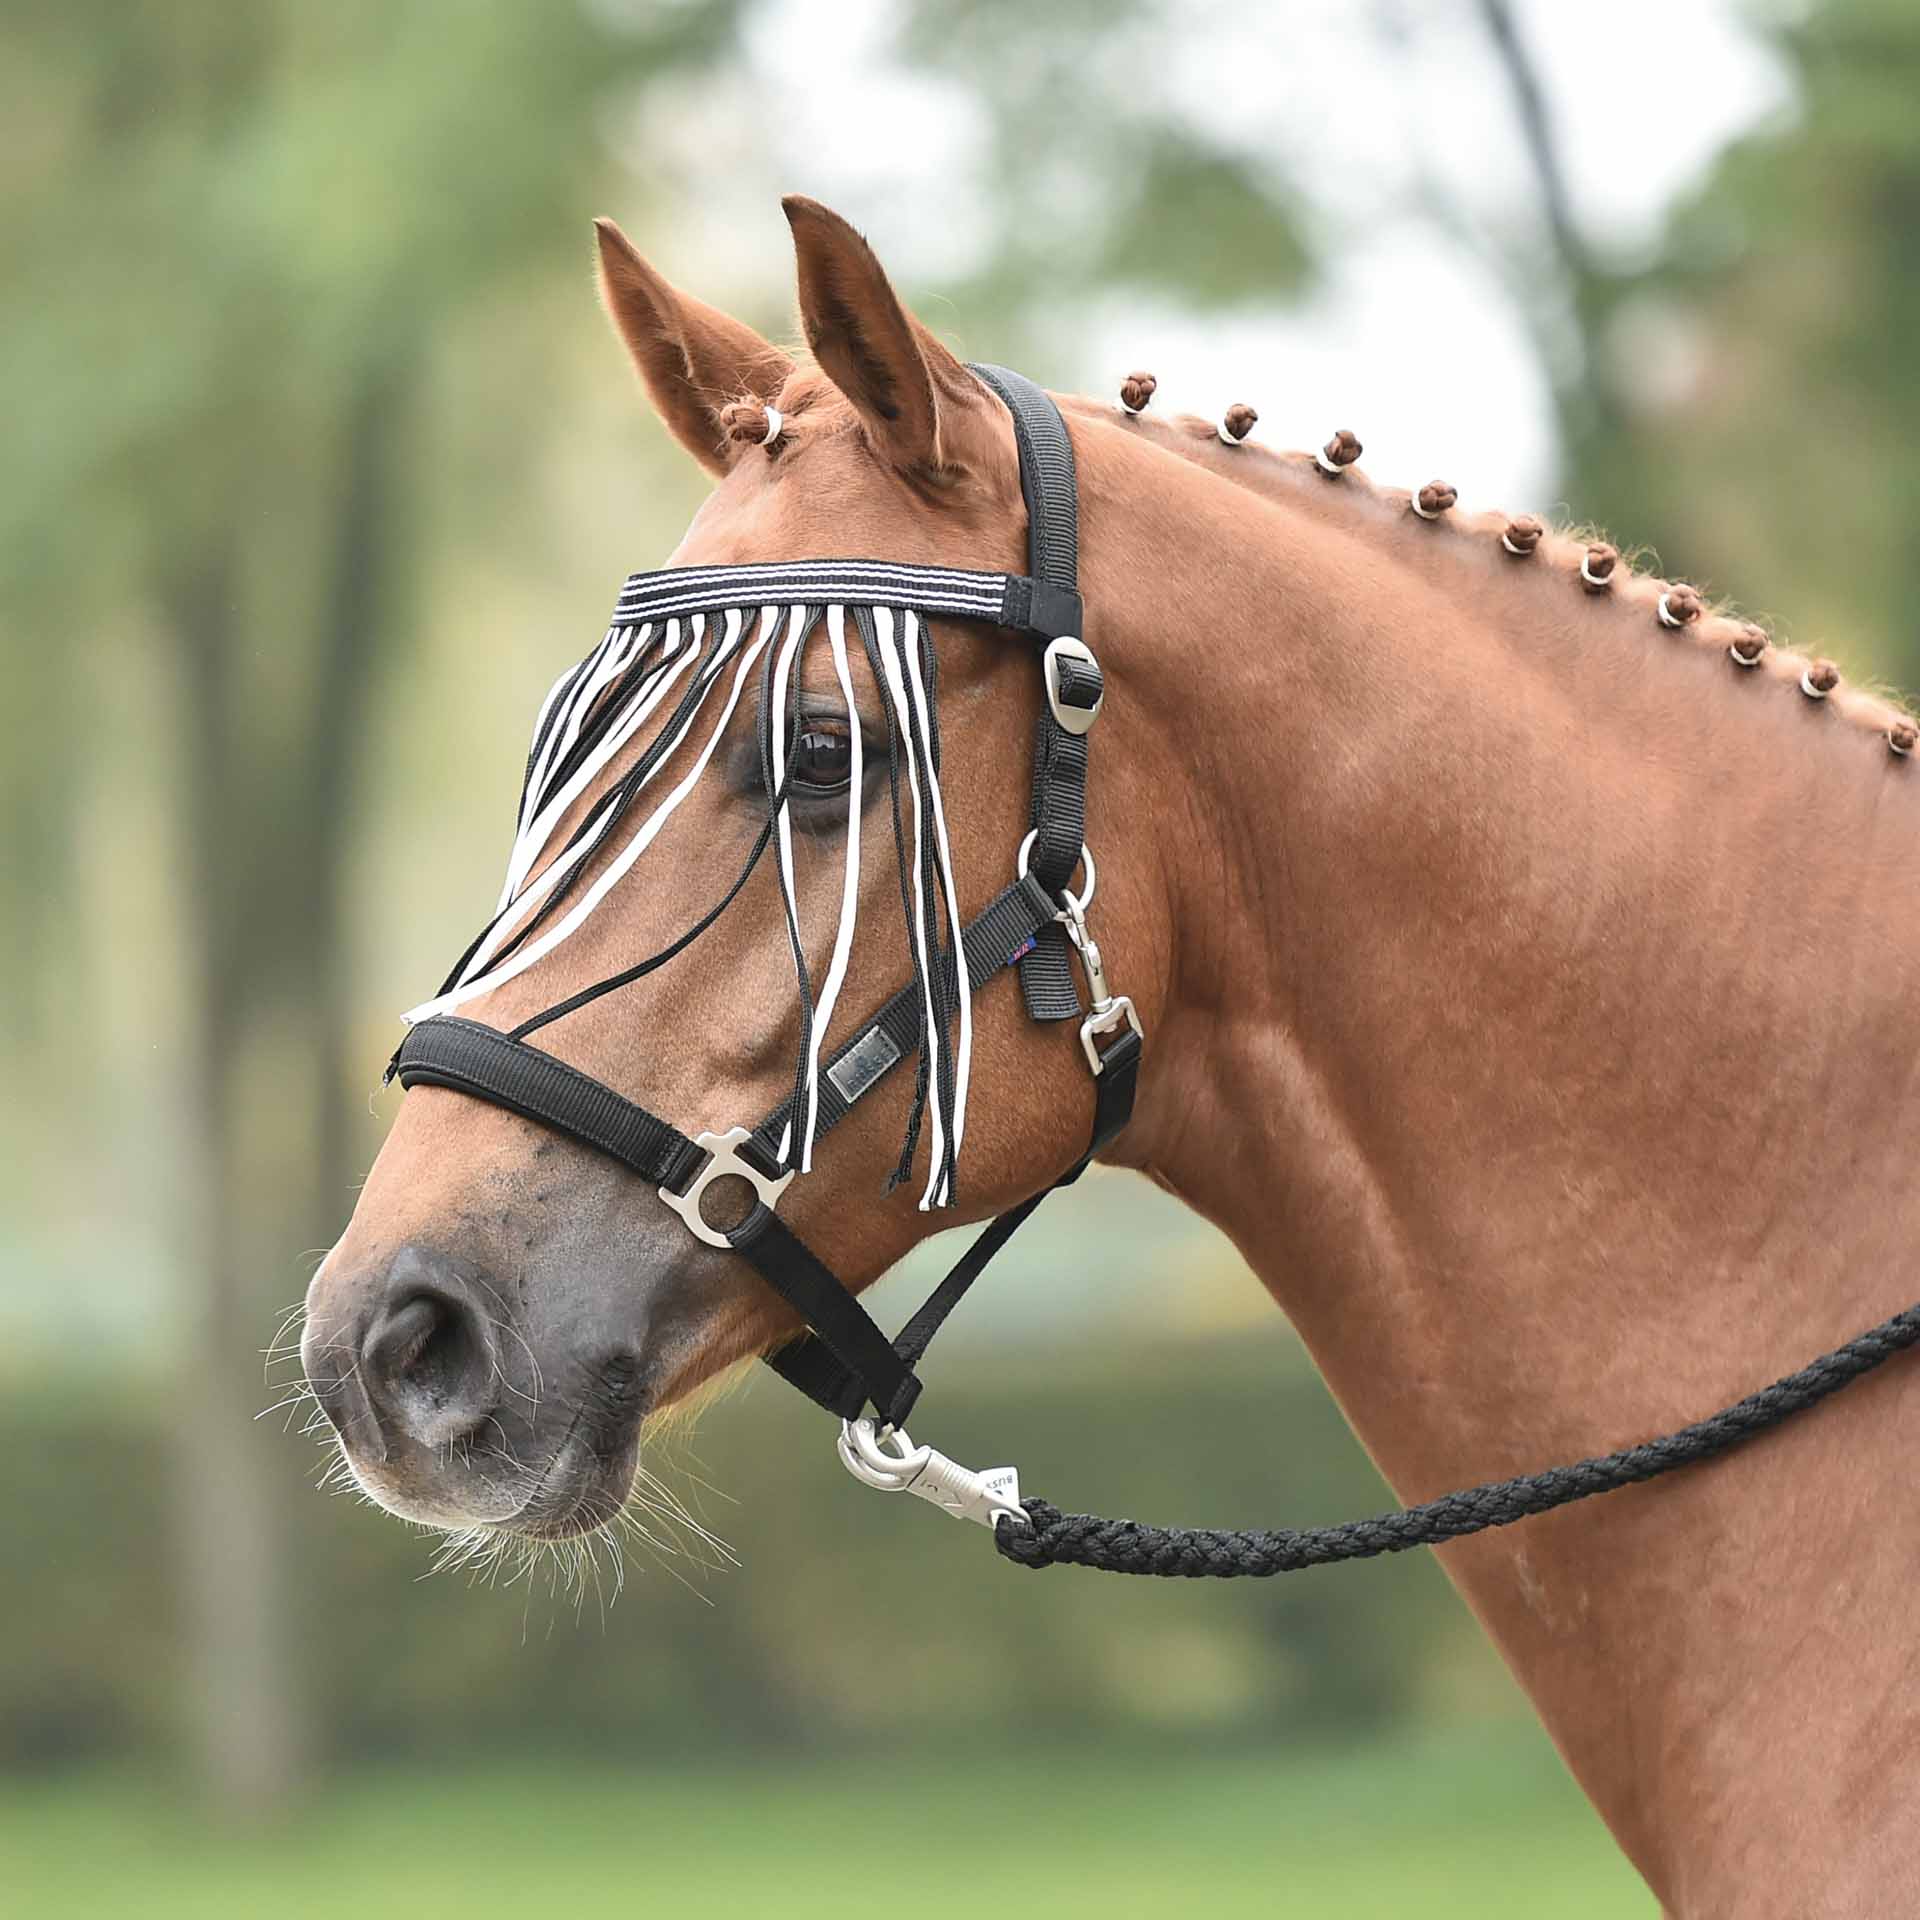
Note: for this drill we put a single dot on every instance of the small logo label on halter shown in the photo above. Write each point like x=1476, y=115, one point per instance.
x=862, y=1064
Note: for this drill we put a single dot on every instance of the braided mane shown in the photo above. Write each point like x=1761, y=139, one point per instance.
x=1328, y=480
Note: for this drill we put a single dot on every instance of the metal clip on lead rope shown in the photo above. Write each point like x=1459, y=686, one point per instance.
x=1110, y=1009
x=887, y=1459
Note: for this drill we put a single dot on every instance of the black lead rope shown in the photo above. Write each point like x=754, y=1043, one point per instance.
x=1052, y=1538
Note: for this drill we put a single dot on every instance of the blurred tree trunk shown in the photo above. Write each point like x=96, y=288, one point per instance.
x=365, y=538
x=238, y=1677
x=267, y=807
x=1574, y=296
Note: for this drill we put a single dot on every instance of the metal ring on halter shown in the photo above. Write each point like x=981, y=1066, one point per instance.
x=1083, y=900
x=723, y=1151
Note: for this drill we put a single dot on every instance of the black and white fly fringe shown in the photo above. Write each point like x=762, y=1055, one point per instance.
x=663, y=673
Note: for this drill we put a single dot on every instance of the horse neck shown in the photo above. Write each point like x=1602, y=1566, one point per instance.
x=1540, y=1017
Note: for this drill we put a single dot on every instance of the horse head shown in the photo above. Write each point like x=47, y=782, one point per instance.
x=825, y=792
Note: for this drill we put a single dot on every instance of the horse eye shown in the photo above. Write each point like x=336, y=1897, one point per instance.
x=822, y=761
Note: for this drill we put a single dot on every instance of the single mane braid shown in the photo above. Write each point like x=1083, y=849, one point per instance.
x=1237, y=422
x=1522, y=536
x=1338, y=454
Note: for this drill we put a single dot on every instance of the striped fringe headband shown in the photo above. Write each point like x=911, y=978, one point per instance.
x=679, y=639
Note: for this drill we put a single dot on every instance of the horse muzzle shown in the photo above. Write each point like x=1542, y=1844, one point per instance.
x=447, y=1415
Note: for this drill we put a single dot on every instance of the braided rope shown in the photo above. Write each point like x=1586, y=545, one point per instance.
x=1196, y=1553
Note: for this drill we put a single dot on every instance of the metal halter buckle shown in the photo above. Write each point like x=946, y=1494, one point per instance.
x=1073, y=719
x=886, y=1458
x=1110, y=1010
x=724, y=1158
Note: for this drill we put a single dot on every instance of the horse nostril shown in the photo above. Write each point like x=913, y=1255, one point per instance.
x=429, y=1364
x=422, y=1342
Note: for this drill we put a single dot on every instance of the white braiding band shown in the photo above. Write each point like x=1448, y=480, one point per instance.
x=1519, y=553
x=1895, y=745
x=1413, y=500
x=1809, y=689
x=775, y=422
x=1668, y=618
x=1325, y=465
x=1745, y=659
x=1127, y=407
x=1226, y=437
x=1590, y=577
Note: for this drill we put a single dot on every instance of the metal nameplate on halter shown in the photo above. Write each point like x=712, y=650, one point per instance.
x=863, y=1063
x=887, y=1459
x=1073, y=719
x=724, y=1149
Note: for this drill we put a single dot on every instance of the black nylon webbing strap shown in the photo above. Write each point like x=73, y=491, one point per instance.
x=1047, y=478
x=1060, y=825
x=818, y=1366
x=838, y=1321
x=993, y=938
x=1059, y=811
x=447, y=1051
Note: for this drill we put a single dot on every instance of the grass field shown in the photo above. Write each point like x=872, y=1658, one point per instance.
x=1480, y=1823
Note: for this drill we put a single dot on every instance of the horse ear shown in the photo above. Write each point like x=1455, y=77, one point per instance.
x=919, y=405
x=692, y=358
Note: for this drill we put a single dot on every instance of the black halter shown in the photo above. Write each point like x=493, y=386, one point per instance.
x=843, y=1361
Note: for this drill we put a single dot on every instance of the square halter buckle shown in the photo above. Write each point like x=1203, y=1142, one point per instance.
x=724, y=1158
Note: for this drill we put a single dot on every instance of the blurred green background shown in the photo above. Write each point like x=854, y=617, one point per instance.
x=320, y=462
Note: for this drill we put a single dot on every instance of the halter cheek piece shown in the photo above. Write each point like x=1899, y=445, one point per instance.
x=843, y=1361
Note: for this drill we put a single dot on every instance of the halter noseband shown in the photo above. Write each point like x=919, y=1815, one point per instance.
x=843, y=1361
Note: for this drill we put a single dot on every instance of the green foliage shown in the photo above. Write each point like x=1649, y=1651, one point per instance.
x=239, y=239
x=1767, y=394
x=1103, y=173
x=1247, y=246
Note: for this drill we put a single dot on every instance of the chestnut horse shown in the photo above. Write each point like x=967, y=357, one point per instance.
x=1532, y=993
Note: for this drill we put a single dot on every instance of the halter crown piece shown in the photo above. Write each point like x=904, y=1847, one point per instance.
x=686, y=638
